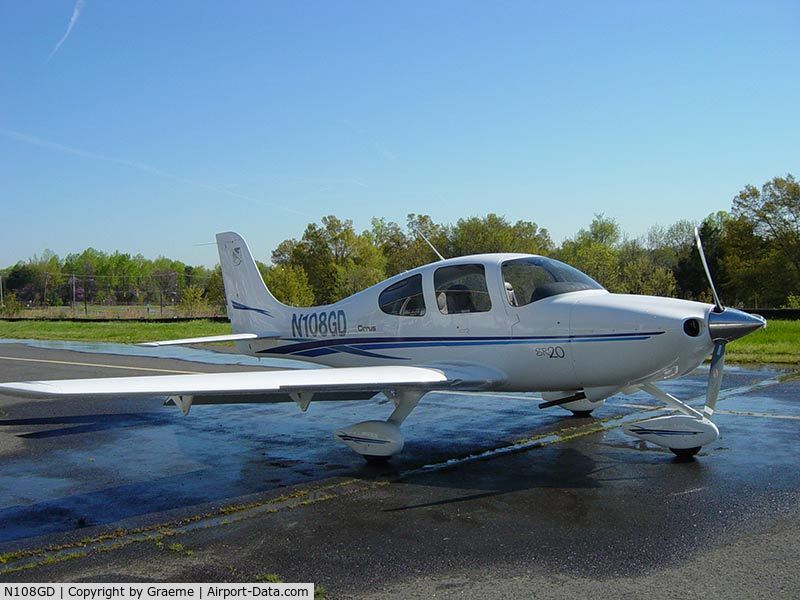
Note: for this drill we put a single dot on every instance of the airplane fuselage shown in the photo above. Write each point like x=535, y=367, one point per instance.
x=571, y=340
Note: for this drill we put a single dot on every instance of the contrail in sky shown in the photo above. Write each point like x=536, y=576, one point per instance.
x=76, y=12
x=35, y=141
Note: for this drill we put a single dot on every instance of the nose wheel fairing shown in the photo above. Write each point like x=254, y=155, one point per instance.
x=676, y=432
x=687, y=432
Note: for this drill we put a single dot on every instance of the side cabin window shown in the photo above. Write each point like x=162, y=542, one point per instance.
x=403, y=298
x=535, y=277
x=461, y=289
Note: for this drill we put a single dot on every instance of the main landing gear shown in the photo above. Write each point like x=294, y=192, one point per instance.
x=579, y=403
x=377, y=441
x=582, y=409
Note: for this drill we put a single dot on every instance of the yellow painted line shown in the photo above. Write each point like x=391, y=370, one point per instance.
x=103, y=366
x=25, y=559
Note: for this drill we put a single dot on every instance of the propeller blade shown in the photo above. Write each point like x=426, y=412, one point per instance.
x=714, y=378
x=718, y=305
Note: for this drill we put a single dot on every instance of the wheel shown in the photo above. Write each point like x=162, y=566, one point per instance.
x=376, y=460
x=685, y=453
x=581, y=414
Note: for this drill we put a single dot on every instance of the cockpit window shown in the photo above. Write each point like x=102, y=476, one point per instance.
x=462, y=289
x=533, y=278
x=403, y=298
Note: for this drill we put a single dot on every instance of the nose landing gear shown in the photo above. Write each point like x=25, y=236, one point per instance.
x=683, y=434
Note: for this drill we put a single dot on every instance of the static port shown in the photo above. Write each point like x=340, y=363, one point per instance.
x=691, y=327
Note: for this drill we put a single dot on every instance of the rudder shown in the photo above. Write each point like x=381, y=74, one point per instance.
x=251, y=306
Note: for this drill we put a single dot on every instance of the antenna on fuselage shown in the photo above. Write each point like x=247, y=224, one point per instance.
x=427, y=241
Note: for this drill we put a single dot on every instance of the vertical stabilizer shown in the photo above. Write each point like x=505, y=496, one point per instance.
x=251, y=307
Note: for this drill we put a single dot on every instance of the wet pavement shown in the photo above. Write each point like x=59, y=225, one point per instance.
x=490, y=494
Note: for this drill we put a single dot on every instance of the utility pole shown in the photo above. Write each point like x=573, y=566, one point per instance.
x=2, y=300
x=73, y=292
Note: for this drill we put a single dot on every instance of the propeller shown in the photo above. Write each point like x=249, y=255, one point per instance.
x=714, y=378
x=718, y=355
x=724, y=325
x=717, y=304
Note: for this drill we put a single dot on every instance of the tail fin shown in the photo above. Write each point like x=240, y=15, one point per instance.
x=251, y=307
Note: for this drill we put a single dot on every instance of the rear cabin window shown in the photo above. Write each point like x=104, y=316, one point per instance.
x=403, y=298
x=461, y=289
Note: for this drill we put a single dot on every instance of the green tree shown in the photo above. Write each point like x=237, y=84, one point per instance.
x=22, y=279
x=494, y=233
x=394, y=244
x=405, y=249
x=775, y=212
x=639, y=273
x=364, y=265
x=11, y=305
x=288, y=283
x=215, y=290
x=689, y=273
x=336, y=260
x=192, y=301
x=438, y=235
x=669, y=245
x=593, y=251
x=313, y=254
x=754, y=271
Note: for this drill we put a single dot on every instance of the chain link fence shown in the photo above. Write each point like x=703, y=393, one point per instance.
x=163, y=295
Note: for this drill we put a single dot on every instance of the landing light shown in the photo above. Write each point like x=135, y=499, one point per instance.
x=691, y=327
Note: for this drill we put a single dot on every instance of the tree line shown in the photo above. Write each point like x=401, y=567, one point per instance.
x=753, y=251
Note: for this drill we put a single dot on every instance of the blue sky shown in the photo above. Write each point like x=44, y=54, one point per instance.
x=149, y=126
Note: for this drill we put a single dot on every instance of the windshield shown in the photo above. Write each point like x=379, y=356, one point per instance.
x=535, y=277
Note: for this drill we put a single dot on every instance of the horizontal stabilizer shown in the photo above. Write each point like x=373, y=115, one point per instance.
x=211, y=339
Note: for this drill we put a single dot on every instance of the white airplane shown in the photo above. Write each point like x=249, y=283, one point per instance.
x=490, y=322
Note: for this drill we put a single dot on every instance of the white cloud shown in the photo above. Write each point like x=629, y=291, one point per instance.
x=76, y=13
x=35, y=141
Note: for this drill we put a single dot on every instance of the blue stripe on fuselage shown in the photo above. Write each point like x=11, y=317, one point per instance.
x=361, y=346
x=240, y=306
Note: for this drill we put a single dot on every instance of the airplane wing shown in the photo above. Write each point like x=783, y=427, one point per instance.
x=266, y=386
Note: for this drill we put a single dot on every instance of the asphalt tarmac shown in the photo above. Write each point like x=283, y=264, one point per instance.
x=491, y=497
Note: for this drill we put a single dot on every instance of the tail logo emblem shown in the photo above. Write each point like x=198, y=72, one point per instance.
x=237, y=255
